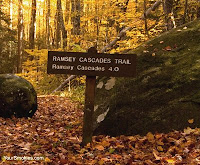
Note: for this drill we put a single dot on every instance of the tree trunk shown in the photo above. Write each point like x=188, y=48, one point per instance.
x=198, y=8
x=76, y=7
x=20, y=37
x=168, y=6
x=10, y=25
x=58, y=35
x=11, y=13
x=67, y=10
x=0, y=12
x=145, y=18
x=32, y=26
x=185, y=11
x=60, y=27
x=39, y=32
x=48, y=4
x=97, y=22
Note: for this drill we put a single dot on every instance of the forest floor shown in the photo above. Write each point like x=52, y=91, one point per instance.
x=54, y=135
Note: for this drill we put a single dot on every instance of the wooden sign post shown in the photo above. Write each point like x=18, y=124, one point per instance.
x=88, y=109
x=89, y=105
x=91, y=64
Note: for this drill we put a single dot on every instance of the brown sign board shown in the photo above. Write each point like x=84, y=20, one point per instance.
x=91, y=64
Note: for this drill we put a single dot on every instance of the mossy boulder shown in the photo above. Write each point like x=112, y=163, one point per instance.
x=164, y=96
x=17, y=97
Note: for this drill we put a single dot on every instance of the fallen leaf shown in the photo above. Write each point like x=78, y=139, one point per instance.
x=117, y=156
x=191, y=121
x=168, y=48
x=120, y=146
x=47, y=160
x=159, y=148
x=99, y=147
x=101, y=162
x=155, y=153
x=105, y=143
x=51, y=134
x=145, y=51
x=150, y=136
x=172, y=161
x=111, y=150
x=63, y=161
x=25, y=146
x=160, y=143
x=188, y=130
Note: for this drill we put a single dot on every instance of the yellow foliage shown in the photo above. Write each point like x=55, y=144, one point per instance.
x=35, y=71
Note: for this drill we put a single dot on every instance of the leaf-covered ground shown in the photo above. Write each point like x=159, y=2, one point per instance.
x=54, y=136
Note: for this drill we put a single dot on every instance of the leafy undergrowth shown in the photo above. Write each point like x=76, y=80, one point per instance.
x=54, y=136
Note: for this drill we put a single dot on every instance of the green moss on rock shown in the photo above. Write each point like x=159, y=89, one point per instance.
x=166, y=92
x=17, y=97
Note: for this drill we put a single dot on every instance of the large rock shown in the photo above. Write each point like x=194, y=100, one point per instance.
x=17, y=97
x=164, y=96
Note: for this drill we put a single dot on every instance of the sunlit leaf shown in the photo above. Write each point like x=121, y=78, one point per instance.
x=191, y=121
x=99, y=147
x=111, y=150
x=171, y=161
x=150, y=136
x=47, y=160
x=159, y=148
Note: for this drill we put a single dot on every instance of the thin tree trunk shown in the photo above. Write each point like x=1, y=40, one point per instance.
x=11, y=13
x=198, y=8
x=60, y=26
x=145, y=18
x=67, y=10
x=32, y=26
x=48, y=24
x=39, y=33
x=185, y=11
x=43, y=23
x=57, y=30
x=168, y=6
x=97, y=22
x=10, y=25
x=20, y=37
x=68, y=21
x=0, y=12
x=76, y=7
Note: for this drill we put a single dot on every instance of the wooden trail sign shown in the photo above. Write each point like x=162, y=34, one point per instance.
x=91, y=64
